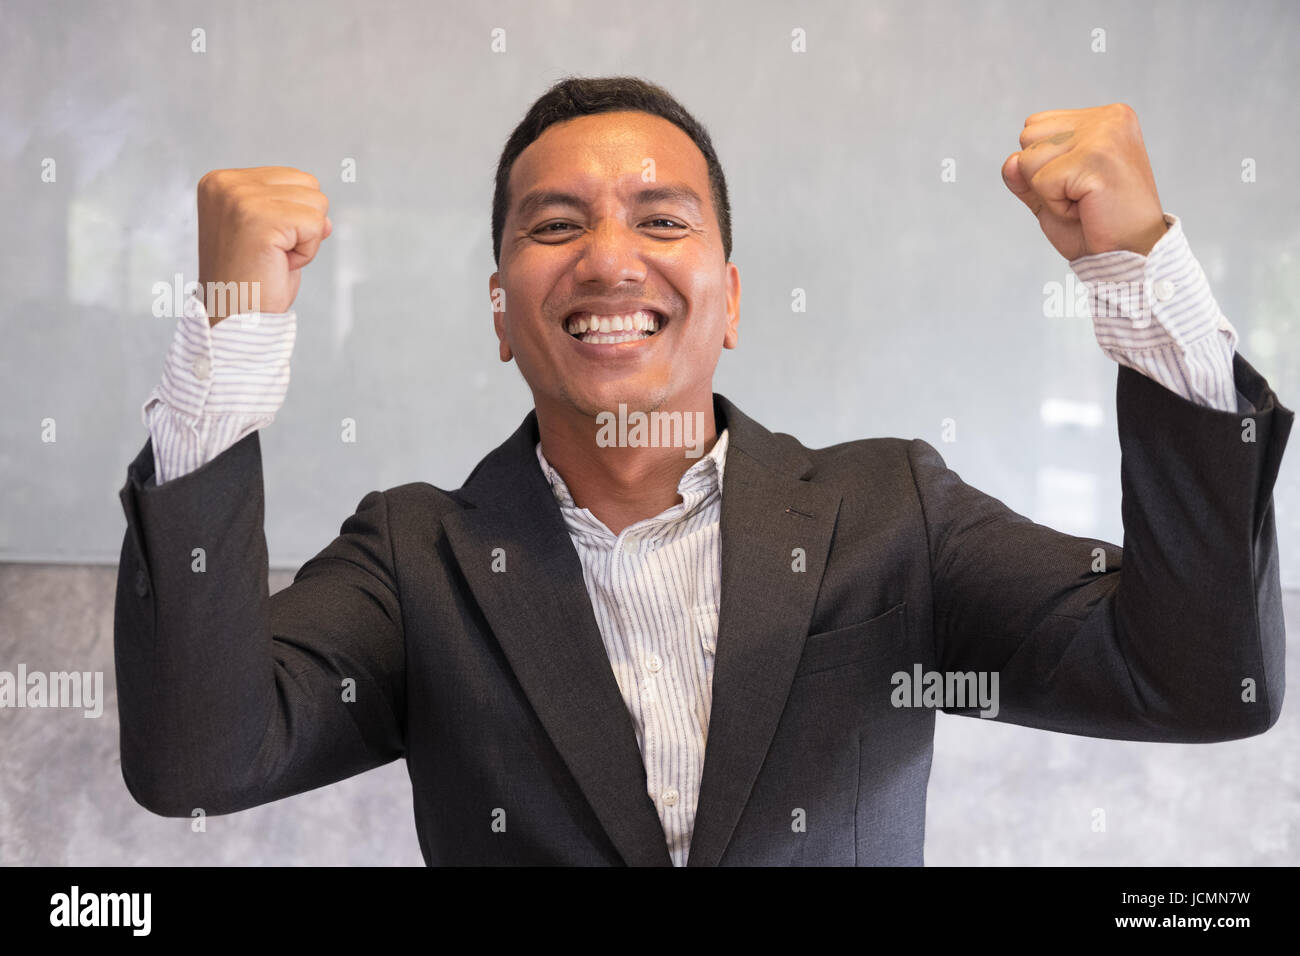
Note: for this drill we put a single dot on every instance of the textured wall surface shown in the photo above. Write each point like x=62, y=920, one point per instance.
x=999, y=794
x=925, y=298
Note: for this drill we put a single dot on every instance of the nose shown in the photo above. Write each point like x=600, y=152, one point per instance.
x=610, y=255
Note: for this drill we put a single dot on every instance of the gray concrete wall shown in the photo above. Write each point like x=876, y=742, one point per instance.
x=999, y=794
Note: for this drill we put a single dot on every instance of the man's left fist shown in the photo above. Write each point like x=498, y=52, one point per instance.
x=1086, y=176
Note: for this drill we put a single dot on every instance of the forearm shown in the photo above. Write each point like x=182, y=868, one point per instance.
x=192, y=637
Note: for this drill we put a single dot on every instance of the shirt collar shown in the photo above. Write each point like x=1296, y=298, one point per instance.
x=698, y=482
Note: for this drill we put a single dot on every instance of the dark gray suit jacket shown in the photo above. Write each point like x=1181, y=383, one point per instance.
x=497, y=690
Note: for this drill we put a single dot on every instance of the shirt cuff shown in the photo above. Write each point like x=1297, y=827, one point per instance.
x=238, y=366
x=1156, y=314
x=1161, y=296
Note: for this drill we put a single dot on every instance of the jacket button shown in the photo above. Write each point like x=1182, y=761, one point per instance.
x=141, y=583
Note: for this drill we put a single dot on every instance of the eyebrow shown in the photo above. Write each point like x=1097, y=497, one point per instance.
x=540, y=198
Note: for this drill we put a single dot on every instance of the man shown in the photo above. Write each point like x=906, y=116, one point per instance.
x=551, y=646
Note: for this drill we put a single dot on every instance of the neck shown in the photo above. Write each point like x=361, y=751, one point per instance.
x=610, y=469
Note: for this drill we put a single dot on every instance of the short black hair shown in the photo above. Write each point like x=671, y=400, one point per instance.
x=575, y=96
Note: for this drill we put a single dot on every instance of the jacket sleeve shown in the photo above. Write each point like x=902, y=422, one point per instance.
x=229, y=697
x=1179, y=635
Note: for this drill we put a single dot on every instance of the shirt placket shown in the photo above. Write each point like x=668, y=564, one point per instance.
x=647, y=665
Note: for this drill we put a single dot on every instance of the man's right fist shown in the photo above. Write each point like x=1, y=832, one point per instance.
x=258, y=225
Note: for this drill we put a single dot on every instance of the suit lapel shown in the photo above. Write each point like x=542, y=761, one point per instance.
x=541, y=615
x=767, y=512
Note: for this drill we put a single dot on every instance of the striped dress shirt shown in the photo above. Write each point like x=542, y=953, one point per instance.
x=655, y=587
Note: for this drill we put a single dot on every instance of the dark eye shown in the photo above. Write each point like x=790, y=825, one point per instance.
x=671, y=223
x=549, y=229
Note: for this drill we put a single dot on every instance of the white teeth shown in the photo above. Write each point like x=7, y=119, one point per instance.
x=613, y=338
x=641, y=320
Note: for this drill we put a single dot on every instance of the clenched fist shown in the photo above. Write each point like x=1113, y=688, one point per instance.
x=259, y=225
x=1085, y=175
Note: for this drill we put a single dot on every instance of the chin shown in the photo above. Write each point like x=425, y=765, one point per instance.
x=592, y=402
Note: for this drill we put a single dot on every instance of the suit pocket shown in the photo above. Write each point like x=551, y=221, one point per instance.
x=853, y=644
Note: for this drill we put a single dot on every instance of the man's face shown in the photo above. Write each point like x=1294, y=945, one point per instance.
x=610, y=214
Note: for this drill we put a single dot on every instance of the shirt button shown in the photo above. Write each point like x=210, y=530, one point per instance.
x=630, y=546
x=202, y=368
x=1164, y=290
x=654, y=663
x=669, y=797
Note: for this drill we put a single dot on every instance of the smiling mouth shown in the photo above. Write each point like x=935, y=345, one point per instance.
x=614, y=329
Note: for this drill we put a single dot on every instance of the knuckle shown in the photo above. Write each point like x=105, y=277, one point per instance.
x=210, y=181
x=241, y=197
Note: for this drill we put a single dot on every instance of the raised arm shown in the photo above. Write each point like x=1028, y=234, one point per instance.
x=230, y=697
x=1179, y=636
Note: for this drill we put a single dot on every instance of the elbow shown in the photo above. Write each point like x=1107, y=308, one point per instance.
x=166, y=797
x=1259, y=715
x=1248, y=719
x=156, y=796
x=1270, y=714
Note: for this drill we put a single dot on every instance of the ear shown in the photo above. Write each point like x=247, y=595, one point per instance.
x=497, y=295
x=732, y=338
